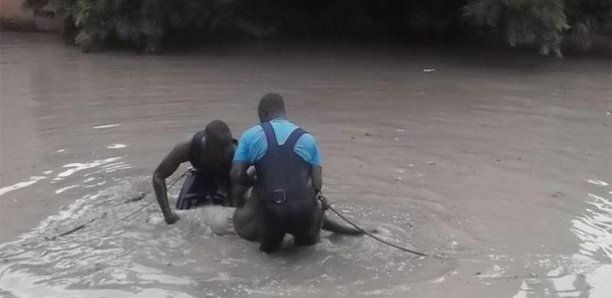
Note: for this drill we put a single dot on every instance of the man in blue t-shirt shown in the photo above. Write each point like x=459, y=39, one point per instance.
x=288, y=181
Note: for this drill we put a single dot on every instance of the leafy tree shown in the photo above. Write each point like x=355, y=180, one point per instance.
x=543, y=22
x=588, y=18
x=522, y=21
x=149, y=24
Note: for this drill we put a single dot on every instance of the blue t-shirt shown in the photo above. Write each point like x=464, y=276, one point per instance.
x=253, y=144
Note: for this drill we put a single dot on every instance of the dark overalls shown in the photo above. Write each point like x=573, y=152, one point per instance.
x=203, y=186
x=286, y=198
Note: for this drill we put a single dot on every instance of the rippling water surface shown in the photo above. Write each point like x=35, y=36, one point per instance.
x=498, y=165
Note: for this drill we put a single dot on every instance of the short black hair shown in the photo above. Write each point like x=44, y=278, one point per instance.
x=218, y=131
x=272, y=102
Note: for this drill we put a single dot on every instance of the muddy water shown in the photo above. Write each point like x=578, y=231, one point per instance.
x=500, y=165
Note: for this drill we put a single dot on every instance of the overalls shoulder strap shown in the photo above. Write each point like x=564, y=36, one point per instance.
x=295, y=135
x=270, y=136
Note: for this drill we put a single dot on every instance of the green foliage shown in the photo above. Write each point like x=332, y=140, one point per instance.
x=543, y=22
x=522, y=21
x=149, y=24
x=142, y=24
x=588, y=18
x=35, y=4
x=139, y=23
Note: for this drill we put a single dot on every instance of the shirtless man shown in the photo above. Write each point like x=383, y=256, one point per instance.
x=210, y=153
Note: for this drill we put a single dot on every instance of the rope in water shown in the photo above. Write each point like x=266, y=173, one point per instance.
x=149, y=203
x=140, y=197
x=372, y=235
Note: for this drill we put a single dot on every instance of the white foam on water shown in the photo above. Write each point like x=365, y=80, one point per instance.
x=106, y=126
x=599, y=199
x=597, y=182
x=593, y=227
x=109, y=169
x=63, y=189
x=76, y=167
x=116, y=146
x=20, y=185
x=217, y=218
x=144, y=257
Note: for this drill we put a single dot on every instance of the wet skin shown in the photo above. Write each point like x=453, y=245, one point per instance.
x=215, y=154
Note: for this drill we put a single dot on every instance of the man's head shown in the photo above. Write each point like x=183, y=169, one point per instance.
x=271, y=106
x=218, y=134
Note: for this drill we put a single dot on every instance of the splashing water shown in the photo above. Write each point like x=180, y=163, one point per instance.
x=144, y=257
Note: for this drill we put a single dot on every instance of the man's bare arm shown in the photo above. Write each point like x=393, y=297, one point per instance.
x=316, y=178
x=178, y=155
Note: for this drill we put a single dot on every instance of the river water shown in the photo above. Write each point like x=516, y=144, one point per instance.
x=498, y=165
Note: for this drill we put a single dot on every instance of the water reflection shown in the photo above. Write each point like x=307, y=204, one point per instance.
x=588, y=272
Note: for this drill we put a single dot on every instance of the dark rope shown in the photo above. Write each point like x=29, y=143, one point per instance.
x=372, y=235
x=138, y=198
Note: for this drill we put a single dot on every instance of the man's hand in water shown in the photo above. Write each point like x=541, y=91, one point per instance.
x=171, y=218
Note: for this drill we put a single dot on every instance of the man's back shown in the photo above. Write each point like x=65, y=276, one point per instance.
x=253, y=144
x=286, y=198
x=288, y=165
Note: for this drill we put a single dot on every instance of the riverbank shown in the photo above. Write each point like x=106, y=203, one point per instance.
x=14, y=18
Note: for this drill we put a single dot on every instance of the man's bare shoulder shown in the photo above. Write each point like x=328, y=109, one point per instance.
x=181, y=150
